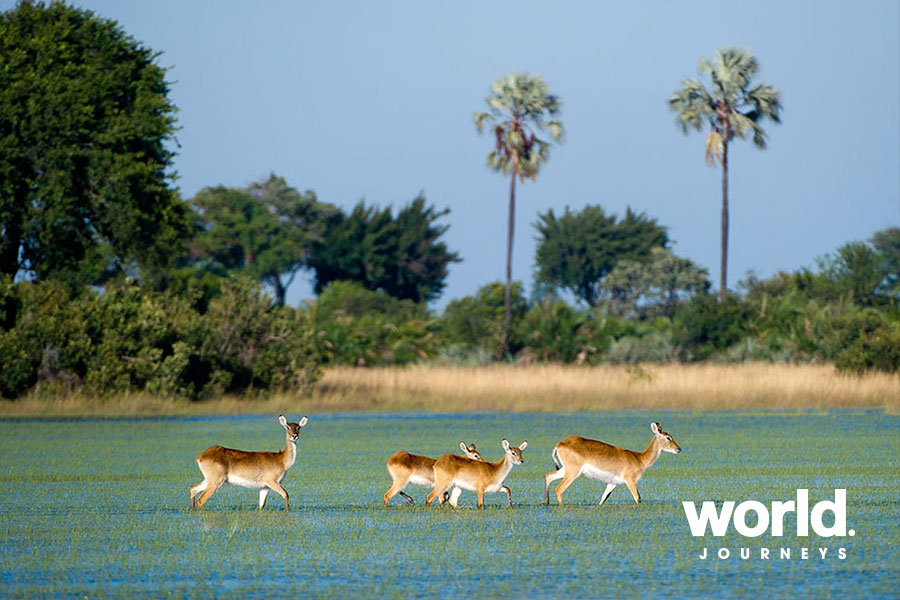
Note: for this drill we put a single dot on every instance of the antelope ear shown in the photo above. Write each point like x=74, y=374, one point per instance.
x=303, y=421
x=471, y=447
x=523, y=445
x=505, y=444
x=283, y=421
x=655, y=428
x=464, y=447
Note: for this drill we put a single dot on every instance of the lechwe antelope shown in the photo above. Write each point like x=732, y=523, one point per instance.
x=261, y=471
x=576, y=456
x=406, y=468
x=455, y=471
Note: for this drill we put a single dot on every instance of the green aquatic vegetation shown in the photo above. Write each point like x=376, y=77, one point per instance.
x=100, y=507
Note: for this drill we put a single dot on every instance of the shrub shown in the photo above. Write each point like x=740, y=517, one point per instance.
x=129, y=339
x=356, y=326
x=876, y=349
x=707, y=325
x=476, y=322
x=655, y=346
x=553, y=331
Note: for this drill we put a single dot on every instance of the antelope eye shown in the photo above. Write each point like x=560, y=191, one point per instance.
x=669, y=437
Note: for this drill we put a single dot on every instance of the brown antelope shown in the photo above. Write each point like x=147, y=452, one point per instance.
x=406, y=468
x=455, y=471
x=576, y=456
x=261, y=471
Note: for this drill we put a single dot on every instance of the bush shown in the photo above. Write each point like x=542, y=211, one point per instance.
x=706, y=325
x=877, y=349
x=46, y=341
x=476, y=322
x=655, y=347
x=358, y=327
x=129, y=339
x=553, y=331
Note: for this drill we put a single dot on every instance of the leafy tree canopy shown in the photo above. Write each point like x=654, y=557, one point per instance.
x=654, y=286
x=578, y=249
x=887, y=243
x=400, y=255
x=265, y=230
x=85, y=131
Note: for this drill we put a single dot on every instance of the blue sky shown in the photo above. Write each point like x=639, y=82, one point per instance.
x=374, y=101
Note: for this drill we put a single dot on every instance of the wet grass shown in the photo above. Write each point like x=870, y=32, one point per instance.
x=99, y=508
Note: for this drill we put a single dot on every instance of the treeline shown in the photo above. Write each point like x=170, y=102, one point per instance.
x=205, y=340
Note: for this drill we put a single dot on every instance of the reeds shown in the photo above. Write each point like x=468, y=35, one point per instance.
x=540, y=388
x=571, y=388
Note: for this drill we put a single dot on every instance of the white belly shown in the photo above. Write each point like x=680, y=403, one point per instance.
x=416, y=480
x=471, y=487
x=604, y=476
x=247, y=483
x=464, y=485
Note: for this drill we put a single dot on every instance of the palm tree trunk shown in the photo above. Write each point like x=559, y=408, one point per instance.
x=724, y=272
x=507, y=317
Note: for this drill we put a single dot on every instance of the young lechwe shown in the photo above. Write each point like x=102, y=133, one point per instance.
x=405, y=468
x=455, y=471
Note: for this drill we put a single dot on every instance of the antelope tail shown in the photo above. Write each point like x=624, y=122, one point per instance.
x=555, y=455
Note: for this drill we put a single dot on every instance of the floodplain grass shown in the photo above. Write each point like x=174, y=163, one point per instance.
x=99, y=508
x=521, y=388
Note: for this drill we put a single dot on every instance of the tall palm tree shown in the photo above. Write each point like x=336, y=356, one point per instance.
x=732, y=108
x=518, y=107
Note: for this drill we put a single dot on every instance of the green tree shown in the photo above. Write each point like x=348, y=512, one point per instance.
x=578, y=249
x=477, y=321
x=653, y=286
x=887, y=243
x=519, y=105
x=400, y=255
x=266, y=230
x=85, y=134
x=856, y=270
x=731, y=108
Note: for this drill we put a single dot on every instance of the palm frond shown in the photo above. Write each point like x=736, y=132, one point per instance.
x=766, y=100
x=730, y=74
x=480, y=117
x=557, y=131
x=714, y=147
x=519, y=103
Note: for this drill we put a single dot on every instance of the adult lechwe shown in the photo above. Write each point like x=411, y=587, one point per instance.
x=261, y=471
x=455, y=471
x=405, y=468
x=576, y=456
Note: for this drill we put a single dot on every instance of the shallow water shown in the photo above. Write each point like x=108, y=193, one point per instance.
x=100, y=508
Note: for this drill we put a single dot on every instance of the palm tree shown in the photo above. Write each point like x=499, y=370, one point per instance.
x=731, y=108
x=518, y=106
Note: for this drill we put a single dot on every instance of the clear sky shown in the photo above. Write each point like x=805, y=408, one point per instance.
x=374, y=100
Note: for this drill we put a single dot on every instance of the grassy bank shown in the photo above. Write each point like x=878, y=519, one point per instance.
x=543, y=388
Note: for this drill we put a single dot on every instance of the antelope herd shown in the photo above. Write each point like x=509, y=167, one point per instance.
x=448, y=475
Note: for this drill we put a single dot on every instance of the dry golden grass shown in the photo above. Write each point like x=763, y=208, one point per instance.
x=570, y=388
x=552, y=388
